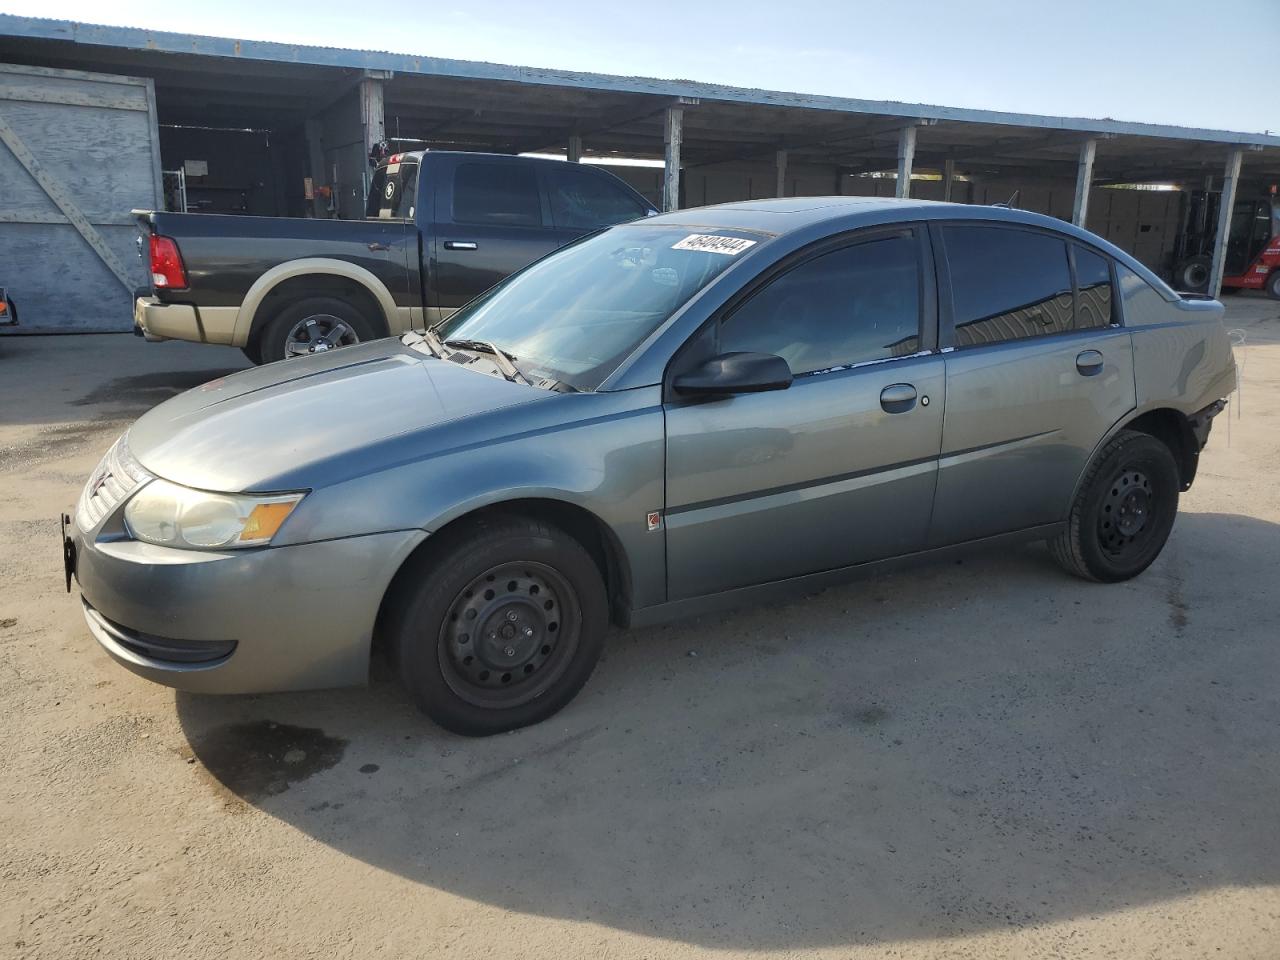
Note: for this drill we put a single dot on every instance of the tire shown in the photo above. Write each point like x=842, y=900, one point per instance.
x=325, y=323
x=1123, y=513
x=1273, y=284
x=539, y=606
x=253, y=350
x=1192, y=274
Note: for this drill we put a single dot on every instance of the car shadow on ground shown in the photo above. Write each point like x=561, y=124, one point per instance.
x=947, y=750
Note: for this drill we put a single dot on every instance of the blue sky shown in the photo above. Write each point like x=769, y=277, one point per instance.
x=1160, y=61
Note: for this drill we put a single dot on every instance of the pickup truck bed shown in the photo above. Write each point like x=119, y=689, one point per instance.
x=441, y=228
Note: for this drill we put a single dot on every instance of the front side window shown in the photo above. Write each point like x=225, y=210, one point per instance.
x=1093, y=281
x=1007, y=284
x=853, y=305
x=575, y=315
x=587, y=200
x=497, y=194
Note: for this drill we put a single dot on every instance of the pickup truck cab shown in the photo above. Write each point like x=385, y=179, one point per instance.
x=440, y=228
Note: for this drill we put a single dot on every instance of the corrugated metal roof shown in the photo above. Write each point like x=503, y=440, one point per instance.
x=133, y=38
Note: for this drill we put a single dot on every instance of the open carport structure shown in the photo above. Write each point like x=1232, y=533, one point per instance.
x=285, y=130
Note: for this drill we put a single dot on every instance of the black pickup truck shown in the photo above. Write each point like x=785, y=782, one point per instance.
x=440, y=228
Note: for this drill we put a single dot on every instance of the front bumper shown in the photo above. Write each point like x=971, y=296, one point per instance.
x=239, y=621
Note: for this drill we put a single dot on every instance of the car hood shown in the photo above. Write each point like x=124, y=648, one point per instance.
x=259, y=429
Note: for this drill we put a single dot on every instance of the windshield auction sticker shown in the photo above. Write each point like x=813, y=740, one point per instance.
x=710, y=243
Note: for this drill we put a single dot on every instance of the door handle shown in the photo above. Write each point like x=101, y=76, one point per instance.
x=460, y=245
x=375, y=247
x=898, y=398
x=1089, y=363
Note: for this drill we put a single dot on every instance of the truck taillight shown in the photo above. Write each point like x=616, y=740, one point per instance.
x=166, y=264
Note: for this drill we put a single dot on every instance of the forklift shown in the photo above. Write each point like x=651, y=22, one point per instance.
x=1253, y=246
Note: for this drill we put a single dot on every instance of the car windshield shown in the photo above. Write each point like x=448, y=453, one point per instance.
x=577, y=314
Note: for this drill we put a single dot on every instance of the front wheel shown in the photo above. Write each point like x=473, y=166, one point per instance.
x=1124, y=511
x=499, y=625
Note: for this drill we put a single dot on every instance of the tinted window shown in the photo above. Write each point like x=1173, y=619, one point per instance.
x=1007, y=284
x=1093, y=278
x=393, y=192
x=855, y=304
x=1142, y=303
x=504, y=194
x=584, y=199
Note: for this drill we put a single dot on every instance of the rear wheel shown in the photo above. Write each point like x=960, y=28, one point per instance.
x=1192, y=274
x=499, y=626
x=1273, y=284
x=314, y=325
x=1123, y=514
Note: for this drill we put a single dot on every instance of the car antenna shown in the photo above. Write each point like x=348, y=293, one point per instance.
x=1010, y=203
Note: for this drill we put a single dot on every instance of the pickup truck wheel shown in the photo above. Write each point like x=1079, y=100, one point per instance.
x=1124, y=511
x=499, y=626
x=314, y=325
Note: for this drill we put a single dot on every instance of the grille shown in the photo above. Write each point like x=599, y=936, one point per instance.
x=115, y=477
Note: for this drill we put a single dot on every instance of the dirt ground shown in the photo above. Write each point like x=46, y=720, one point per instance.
x=974, y=759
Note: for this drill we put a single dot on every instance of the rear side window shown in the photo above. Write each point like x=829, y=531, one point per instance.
x=852, y=305
x=1093, y=280
x=393, y=192
x=1143, y=304
x=586, y=200
x=1007, y=284
x=498, y=194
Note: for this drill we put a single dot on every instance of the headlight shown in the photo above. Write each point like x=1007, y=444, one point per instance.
x=173, y=516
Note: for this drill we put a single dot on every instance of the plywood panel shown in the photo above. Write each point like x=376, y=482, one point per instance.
x=94, y=136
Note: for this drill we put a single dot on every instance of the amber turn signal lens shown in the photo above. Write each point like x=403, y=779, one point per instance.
x=266, y=519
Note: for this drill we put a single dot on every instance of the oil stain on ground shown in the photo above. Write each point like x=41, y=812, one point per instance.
x=144, y=391
x=263, y=758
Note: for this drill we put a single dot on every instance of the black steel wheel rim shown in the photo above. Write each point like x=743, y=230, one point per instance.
x=1195, y=275
x=1127, y=520
x=509, y=634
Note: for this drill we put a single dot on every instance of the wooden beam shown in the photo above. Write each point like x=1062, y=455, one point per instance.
x=1230, y=179
x=869, y=132
x=574, y=152
x=672, y=134
x=1084, y=178
x=906, y=157
x=948, y=177
x=780, y=169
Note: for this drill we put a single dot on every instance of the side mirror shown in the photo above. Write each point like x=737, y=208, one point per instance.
x=732, y=373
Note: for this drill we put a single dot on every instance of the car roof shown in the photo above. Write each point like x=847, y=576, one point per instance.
x=791, y=214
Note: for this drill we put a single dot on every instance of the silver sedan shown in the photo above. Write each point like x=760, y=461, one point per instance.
x=714, y=406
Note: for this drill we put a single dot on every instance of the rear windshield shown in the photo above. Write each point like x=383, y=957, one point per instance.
x=393, y=192
x=576, y=315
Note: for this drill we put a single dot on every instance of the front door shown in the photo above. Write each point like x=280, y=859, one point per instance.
x=1038, y=376
x=490, y=221
x=840, y=467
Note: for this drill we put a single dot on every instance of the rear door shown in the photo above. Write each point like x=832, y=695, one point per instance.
x=490, y=220
x=584, y=199
x=1036, y=375
x=837, y=469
